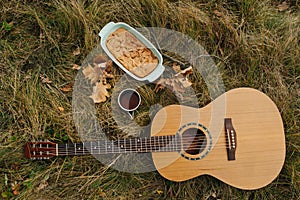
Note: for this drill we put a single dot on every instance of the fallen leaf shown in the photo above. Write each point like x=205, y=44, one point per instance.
x=15, y=188
x=101, y=65
x=67, y=88
x=61, y=109
x=176, y=67
x=76, y=52
x=101, y=192
x=45, y=79
x=109, y=65
x=92, y=73
x=100, y=92
x=178, y=83
x=42, y=185
x=76, y=67
x=15, y=166
x=218, y=13
x=159, y=192
x=185, y=82
x=100, y=59
x=27, y=77
x=283, y=6
x=186, y=71
x=98, y=75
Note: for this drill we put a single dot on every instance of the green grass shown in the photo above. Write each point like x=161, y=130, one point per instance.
x=258, y=46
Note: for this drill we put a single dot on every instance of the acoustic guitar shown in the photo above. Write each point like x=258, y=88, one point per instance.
x=237, y=138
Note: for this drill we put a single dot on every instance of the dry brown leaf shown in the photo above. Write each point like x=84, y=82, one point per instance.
x=61, y=109
x=178, y=83
x=42, y=185
x=186, y=71
x=185, y=82
x=176, y=67
x=92, y=73
x=218, y=13
x=98, y=75
x=76, y=67
x=67, y=88
x=100, y=92
x=100, y=59
x=109, y=65
x=45, y=79
x=15, y=188
x=76, y=52
x=100, y=65
x=283, y=6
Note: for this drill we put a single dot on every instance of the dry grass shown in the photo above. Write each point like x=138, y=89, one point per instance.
x=258, y=45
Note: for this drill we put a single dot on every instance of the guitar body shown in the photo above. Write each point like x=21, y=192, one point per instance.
x=259, y=140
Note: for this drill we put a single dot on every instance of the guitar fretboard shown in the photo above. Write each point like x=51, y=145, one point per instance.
x=169, y=143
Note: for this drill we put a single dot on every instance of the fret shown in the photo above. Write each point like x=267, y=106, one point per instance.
x=79, y=149
x=171, y=143
x=91, y=147
x=41, y=153
x=150, y=145
x=166, y=143
x=175, y=140
x=130, y=145
x=124, y=144
x=75, y=149
x=119, y=146
x=154, y=144
x=112, y=146
x=105, y=146
x=56, y=149
x=66, y=148
x=83, y=147
x=146, y=144
x=47, y=148
x=142, y=145
x=94, y=147
x=136, y=144
x=99, y=146
x=159, y=143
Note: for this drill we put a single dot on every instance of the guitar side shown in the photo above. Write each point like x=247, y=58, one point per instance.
x=260, y=140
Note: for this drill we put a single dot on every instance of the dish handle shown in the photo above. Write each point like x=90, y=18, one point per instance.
x=156, y=73
x=106, y=29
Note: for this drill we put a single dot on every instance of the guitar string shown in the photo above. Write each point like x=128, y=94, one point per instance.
x=162, y=144
x=101, y=150
x=142, y=144
x=120, y=150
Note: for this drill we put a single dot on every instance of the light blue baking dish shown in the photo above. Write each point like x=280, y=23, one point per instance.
x=110, y=28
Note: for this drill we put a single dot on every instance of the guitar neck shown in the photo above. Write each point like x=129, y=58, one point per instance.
x=169, y=143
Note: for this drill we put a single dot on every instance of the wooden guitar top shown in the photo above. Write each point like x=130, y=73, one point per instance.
x=259, y=141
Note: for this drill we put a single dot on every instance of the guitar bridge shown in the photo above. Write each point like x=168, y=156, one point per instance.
x=231, y=141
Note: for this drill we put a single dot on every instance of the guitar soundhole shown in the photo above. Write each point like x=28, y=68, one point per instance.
x=194, y=141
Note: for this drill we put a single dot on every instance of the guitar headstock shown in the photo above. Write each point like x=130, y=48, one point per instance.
x=40, y=150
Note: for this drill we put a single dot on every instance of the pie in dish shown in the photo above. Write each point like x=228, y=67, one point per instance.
x=131, y=52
